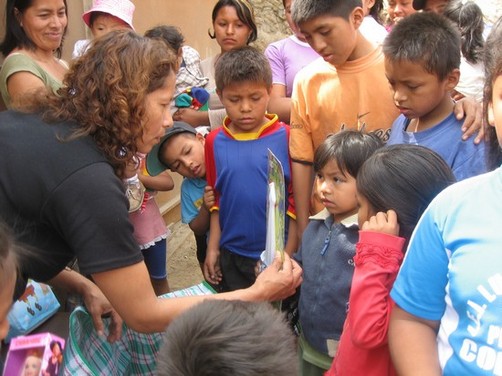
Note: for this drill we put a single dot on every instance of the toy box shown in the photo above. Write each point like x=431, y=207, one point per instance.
x=33, y=308
x=34, y=355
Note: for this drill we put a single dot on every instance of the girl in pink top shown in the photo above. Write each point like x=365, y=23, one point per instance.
x=150, y=229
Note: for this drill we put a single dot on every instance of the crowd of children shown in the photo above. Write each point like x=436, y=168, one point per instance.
x=388, y=241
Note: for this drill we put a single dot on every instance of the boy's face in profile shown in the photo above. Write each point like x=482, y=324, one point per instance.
x=418, y=93
x=246, y=104
x=495, y=108
x=334, y=38
x=184, y=154
x=337, y=191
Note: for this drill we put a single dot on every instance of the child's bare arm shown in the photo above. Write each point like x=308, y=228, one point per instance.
x=200, y=224
x=191, y=116
x=161, y=182
x=302, y=188
x=280, y=104
x=212, y=271
x=292, y=241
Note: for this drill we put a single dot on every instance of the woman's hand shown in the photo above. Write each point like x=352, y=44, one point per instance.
x=279, y=280
x=383, y=222
x=472, y=113
x=98, y=306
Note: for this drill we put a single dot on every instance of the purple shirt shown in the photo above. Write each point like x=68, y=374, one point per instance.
x=286, y=57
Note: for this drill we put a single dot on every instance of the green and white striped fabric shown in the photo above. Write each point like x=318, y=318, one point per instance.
x=86, y=353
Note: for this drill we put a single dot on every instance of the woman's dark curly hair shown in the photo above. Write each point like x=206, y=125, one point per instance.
x=104, y=92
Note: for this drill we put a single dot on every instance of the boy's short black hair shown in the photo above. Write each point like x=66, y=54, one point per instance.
x=306, y=10
x=171, y=35
x=228, y=338
x=426, y=38
x=240, y=65
x=348, y=148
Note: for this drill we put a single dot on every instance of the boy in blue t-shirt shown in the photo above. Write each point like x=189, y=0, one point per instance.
x=422, y=58
x=181, y=150
x=237, y=169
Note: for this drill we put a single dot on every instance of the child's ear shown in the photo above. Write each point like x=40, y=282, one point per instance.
x=219, y=92
x=357, y=16
x=452, y=79
x=200, y=138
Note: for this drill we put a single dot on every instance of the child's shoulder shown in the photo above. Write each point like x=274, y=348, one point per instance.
x=318, y=67
x=450, y=124
x=193, y=184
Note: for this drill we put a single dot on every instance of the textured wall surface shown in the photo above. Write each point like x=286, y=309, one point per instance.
x=272, y=26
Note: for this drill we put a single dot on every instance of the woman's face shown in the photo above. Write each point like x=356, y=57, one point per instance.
x=32, y=366
x=229, y=30
x=44, y=23
x=398, y=9
x=157, y=114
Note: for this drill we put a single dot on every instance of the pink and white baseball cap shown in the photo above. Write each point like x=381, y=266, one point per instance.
x=122, y=9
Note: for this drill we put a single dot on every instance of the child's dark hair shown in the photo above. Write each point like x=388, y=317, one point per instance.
x=468, y=16
x=493, y=69
x=170, y=35
x=240, y=65
x=228, y=338
x=350, y=149
x=404, y=178
x=245, y=13
x=426, y=38
x=306, y=10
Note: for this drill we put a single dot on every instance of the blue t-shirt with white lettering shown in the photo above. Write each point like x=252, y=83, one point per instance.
x=452, y=272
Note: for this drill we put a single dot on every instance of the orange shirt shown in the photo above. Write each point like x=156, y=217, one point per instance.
x=326, y=99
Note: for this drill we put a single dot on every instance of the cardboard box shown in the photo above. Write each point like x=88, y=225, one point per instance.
x=32, y=354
